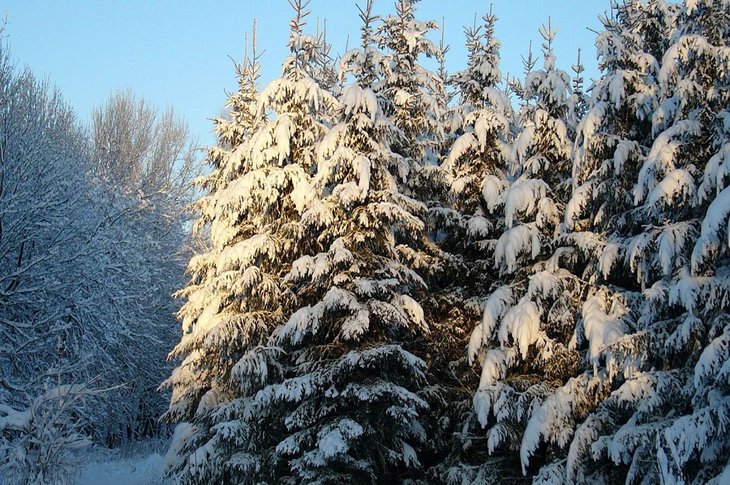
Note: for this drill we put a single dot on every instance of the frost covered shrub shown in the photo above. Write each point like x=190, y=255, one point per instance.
x=41, y=444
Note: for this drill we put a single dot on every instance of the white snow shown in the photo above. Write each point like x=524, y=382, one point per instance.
x=492, y=189
x=332, y=443
x=11, y=419
x=522, y=322
x=717, y=171
x=715, y=355
x=623, y=150
x=610, y=254
x=478, y=227
x=522, y=199
x=686, y=290
x=357, y=100
x=107, y=467
x=413, y=309
x=244, y=253
x=494, y=368
x=671, y=243
x=589, y=125
x=601, y=327
x=546, y=284
x=636, y=253
x=460, y=146
x=523, y=142
x=356, y=324
x=547, y=422
x=519, y=240
x=662, y=157
x=576, y=204
x=710, y=240
x=677, y=184
x=496, y=305
x=487, y=122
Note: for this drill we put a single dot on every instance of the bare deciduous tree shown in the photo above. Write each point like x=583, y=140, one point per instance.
x=139, y=148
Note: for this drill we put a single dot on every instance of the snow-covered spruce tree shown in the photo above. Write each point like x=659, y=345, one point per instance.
x=351, y=389
x=615, y=135
x=665, y=256
x=257, y=192
x=447, y=112
x=476, y=163
x=412, y=97
x=572, y=391
x=523, y=340
x=635, y=227
x=483, y=146
x=611, y=142
x=579, y=100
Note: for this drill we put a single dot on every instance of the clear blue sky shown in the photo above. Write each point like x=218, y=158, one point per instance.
x=175, y=52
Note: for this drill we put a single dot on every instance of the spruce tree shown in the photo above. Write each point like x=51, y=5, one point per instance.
x=353, y=412
x=413, y=98
x=643, y=406
x=666, y=417
x=611, y=144
x=360, y=232
x=523, y=340
x=410, y=89
x=258, y=190
x=475, y=164
x=482, y=148
x=592, y=314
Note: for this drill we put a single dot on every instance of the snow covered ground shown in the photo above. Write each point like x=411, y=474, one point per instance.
x=113, y=467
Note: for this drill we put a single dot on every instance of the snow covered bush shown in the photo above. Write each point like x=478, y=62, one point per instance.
x=41, y=444
x=85, y=273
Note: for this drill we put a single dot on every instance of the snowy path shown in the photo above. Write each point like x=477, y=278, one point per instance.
x=138, y=470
